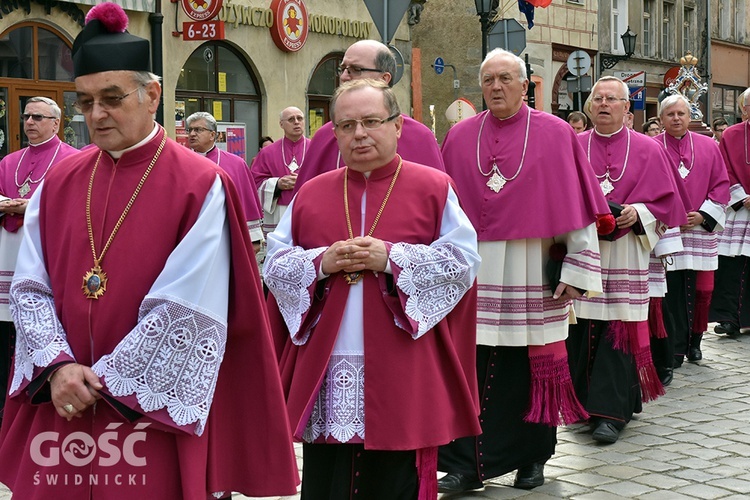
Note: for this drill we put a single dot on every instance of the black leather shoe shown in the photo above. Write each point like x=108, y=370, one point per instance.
x=666, y=375
x=694, y=354
x=530, y=476
x=457, y=483
x=727, y=328
x=606, y=432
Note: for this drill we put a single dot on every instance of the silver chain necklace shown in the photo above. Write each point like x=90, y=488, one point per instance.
x=498, y=180
x=24, y=188
x=684, y=171
x=608, y=184
x=292, y=165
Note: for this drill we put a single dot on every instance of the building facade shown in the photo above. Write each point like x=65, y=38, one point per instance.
x=244, y=80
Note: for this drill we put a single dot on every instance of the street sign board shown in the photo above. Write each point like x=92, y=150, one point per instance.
x=632, y=78
x=638, y=96
x=204, y=30
x=507, y=34
x=387, y=15
x=579, y=62
x=439, y=65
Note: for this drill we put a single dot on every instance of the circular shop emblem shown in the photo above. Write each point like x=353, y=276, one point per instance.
x=201, y=10
x=290, y=27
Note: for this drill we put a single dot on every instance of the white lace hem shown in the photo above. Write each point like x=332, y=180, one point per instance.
x=289, y=274
x=170, y=360
x=339, y=410
x=40, y=337
x=434, y=278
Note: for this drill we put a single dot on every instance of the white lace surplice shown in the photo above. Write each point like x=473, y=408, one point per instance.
x=434, y=278
x=171, y=359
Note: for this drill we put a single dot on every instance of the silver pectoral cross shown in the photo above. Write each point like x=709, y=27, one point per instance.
x=496, y=182
x=683, y=170
x=606, y=186
x=293, y=167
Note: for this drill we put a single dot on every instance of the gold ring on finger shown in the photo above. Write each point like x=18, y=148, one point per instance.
x=69, y=408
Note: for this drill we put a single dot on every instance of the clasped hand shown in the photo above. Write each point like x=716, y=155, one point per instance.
x=75, y=385
x=356, y=254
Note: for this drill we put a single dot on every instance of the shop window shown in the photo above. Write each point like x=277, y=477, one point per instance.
x=35, y=60
x=217, y=79
x=323, y=83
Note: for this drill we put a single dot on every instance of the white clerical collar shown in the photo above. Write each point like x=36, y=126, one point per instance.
x=608, y=135
x=209, y=150
x=42, y=143
x=509, y=117
x=117, y=154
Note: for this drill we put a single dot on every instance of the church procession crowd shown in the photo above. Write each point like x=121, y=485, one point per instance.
x=172, y=319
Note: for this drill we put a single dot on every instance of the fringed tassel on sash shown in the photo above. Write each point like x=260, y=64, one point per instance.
x=632, y=337
x=656, y=318
x=704, y=285
x=620, y=336
x=427, y=473
x=553, y=400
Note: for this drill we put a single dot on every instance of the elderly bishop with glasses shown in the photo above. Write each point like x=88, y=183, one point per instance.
x=371, y=271
x=139, y=311
x=609, y=347
x=277, y=166
x=20, y=174
x=370, y=59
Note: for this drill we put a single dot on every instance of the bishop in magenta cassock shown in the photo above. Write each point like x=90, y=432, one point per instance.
x=126, y=371
x=21, y=173
x=609, y=346
x=374, y=312
x=370, y=59
x=532, y=198
x=690, y=273
x=277, y=166
x=732, y=281
x=201, y=128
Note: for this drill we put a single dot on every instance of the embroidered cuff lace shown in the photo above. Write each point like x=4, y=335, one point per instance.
x=434, y=278
x=40, y=337
x=289, y=275
x=339, y=410
x=170, y=360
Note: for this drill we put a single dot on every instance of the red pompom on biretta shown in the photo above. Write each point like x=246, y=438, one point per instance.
x=605, y=224
x=111, y=15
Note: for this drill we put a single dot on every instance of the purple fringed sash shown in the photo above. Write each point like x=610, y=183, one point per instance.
x=656, y=318
x=427, y=473
x=704, y=287
x=553, y=400
x=632, y=337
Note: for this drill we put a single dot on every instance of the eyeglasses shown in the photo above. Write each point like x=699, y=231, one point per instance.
x=356, y=70
x=295, y=119
x=349, y=126
x=36, y=117
x=610, y=99
x=107, y=103
x=197, y=130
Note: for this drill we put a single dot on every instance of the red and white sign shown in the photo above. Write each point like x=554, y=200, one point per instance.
x=201, y=10
x=671, y=75
x=208, y=30
x=632, y=78
x=290, y=25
